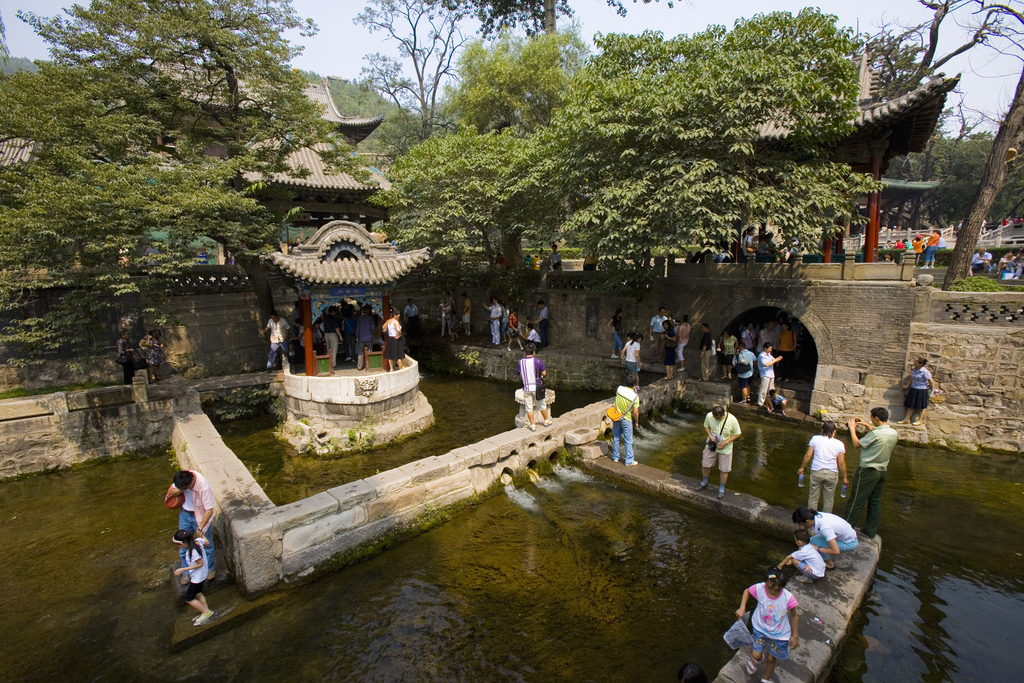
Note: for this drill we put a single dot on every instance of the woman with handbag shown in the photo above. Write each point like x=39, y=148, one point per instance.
x=394, y=350
x=154, y=355
x=126, y=357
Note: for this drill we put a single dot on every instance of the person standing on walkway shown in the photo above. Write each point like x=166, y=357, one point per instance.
x=915, y=388
x=744, y=364
x=671, y=340
x=749, y=338
x=542, y=323
x=918, y=245
x=277, y=342
x=866, y=486
x=729, y=344
x=615, y=325
x=829, y=462
x=555, y=258
x=513, y=329
x=707, y=351
x=195, y=514
x=394, y=350
x=154, y=355
x=467, y=314
x=657, y=328
x=931, y=246
x=722, y=430
x=627, y=405
x=766, y=370
x=495, y=321
x=631, y=354
x=787, y=349
x=126, y=357
x=364, y=336
x=330, y=329
x=532, y=371
x=683, y=333
x=412, y=320
x=348, y=333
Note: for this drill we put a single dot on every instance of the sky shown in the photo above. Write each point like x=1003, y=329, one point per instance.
x=988, y=84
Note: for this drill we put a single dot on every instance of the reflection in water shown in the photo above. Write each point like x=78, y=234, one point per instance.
x=594, y=584
x=949, y=593
x=466, y=410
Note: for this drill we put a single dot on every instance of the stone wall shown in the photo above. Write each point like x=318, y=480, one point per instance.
x=268, y=544
x=60, y=430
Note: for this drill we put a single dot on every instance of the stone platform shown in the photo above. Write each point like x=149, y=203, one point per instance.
x=832, y=600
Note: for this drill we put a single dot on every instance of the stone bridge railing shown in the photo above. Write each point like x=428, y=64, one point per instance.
x=268, y=544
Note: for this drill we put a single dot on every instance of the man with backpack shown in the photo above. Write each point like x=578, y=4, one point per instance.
x=743, y=363
x=624, y=414
x=532, y=370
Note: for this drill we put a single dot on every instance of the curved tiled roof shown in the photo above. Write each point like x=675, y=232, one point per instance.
x=355, y=128
x=372, y=271
x=319, y=178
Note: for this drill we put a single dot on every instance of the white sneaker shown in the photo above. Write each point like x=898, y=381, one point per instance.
x=615, y=355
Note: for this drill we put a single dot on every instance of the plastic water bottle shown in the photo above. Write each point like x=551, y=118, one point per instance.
x=842, y=492
x=800, y=481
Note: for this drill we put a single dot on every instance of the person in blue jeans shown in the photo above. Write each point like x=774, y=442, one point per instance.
x=628, y=403
x=277, y=341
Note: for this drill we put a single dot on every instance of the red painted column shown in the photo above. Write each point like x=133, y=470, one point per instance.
x=385, y=309
x=871, y=239
x=826, y=250
x=307, y=325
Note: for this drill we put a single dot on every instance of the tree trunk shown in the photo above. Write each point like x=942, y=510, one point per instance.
x=549, y=17
x=260, y=285
x=991, y=183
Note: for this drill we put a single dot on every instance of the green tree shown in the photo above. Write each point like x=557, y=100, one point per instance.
x=154, y=115
x=534, y=16
x=514, y=81
x=428, y=36
x=666, y=143
x=471, y=198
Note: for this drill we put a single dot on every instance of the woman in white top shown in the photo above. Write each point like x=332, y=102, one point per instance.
x=829, y=462
x=830, y=533
x=394, y=350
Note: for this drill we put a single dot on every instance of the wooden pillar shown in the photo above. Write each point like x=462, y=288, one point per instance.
x=871, y=239
x=735, y=244
x=385, y=308
x=307, y=325
x=826, y=250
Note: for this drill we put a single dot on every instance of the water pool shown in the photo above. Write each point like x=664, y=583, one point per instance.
x=949, y=591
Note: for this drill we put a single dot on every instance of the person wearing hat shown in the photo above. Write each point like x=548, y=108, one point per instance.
x=917, y=244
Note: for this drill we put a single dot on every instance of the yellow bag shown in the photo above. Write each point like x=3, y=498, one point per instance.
x=614, y=414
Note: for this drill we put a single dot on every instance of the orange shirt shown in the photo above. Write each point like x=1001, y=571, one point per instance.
x=787, y=341
x=933, y=241
x=918, y=245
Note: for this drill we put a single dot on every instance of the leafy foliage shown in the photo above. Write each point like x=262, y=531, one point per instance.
x=154, y=115
x=499, y=15
x=515, y=82
x=663, y=142
x=977, y=284
x=470, y=197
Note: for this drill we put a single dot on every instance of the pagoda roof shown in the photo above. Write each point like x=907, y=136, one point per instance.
x=319, y=178
x=345, y=253
x=355, y=128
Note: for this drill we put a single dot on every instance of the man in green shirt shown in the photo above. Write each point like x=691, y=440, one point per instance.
x=722, y=429
x=867, y=482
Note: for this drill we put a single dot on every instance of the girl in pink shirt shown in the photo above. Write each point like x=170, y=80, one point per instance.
x=775, y=622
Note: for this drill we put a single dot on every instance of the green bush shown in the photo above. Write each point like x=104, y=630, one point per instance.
x=977, y=284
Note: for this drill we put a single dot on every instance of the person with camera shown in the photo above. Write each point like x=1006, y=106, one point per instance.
x=722, y=430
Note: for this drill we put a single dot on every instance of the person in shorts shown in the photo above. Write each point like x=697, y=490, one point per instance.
x=807, y=558
x=532, y=369
x=722, y=429
x=775, y=621
x=195, y=564
x=745, y=358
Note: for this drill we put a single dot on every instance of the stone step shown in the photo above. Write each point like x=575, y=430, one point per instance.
x=230, y=610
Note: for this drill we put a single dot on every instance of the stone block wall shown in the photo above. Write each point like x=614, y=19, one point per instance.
x=268, y=544
x=74, y=430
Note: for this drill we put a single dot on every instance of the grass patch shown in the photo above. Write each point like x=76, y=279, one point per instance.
x=977, y=284
x=21, y=393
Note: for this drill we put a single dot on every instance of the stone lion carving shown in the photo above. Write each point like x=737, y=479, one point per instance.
x=366, y=387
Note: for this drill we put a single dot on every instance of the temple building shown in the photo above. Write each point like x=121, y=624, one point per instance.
x=344, y=262
x=325, y=197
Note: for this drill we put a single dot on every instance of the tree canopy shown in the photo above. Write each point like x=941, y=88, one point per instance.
x=514, y=81
x=672, y=142
x=153, y=115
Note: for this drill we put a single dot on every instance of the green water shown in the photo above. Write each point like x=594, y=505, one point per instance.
x=948, y=599
x=466, y=410
x=572, y=580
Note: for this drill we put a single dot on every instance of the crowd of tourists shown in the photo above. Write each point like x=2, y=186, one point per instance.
x=506, y=324
x=346, y=333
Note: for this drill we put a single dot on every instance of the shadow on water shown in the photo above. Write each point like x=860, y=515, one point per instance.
x=949, y=593
x=466, y=410
x=592, y=584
